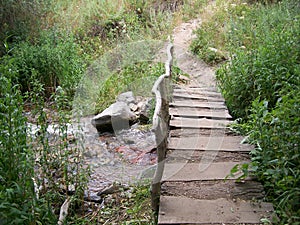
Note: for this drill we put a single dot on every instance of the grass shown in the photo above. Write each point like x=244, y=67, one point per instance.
x=259, y=78
x=210, y=44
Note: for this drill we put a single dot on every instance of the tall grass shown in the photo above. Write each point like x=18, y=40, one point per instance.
x=113, y=21
x=54, y=60
x=211, y=38
x=20, y=20
x=37, y=173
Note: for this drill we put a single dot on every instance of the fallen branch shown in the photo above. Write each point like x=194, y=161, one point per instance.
x=64, y=211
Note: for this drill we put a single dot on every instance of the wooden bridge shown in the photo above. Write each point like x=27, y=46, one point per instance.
x=196, y=156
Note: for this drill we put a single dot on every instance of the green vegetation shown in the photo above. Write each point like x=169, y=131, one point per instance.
x=211, y=38
x=53, y=60
x=141, y=83
x=37, y=171
x=16, y=190
x=261, y=84
x=129, y=207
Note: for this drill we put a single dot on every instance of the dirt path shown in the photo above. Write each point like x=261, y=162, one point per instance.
x=202, y=151
x=201, y=74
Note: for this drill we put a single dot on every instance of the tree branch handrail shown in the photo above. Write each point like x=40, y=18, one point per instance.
x=158, y=82
x=161, y=90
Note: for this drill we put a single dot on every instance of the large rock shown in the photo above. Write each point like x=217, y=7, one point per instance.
x=126, y=97
x=115, y=118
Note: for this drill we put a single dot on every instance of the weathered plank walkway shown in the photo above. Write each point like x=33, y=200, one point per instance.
x=201, y=153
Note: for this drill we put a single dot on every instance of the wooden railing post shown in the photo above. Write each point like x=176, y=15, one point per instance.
x=161, y=89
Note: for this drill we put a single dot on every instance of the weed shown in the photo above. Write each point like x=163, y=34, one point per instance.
x=19, y=21
x=191, y=9
x=277, y=134
x=267, y=64
x=59, y=170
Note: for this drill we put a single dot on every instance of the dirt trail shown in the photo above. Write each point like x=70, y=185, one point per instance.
x=201, y=74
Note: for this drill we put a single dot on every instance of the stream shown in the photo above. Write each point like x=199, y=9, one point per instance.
x=127, y=157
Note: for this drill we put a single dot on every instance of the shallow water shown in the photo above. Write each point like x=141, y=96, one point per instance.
x=127, y=157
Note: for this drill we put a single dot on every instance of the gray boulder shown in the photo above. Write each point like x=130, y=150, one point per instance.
x=115, y=118
x=126, y=97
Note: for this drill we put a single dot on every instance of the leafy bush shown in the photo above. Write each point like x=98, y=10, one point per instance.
x=59, y=172
x=277, y=157
x=17, y=197
x=36, y=172
x=54, y=60
x=20, y=20
x=264, y=58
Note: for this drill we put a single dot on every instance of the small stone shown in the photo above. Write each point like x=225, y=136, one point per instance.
x=92, y=197
x=213, y=49
x=183, y=78
x=140, y=105
x=133, y=107
x=128, y=141
x=114, y=188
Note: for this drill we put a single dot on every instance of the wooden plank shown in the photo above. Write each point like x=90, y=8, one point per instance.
x=198, y=92
x=198, y=171
x=229, y=189
x=194, y=156
x=192, y=87
x=198, y=97
x=190, y=132
x=182, y=210
x=216, y=143
x=194, y=112
x=197, y=104
x=198, y=123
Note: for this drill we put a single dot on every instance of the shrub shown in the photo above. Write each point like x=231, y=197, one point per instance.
x=54, y=60
x=17, y=198
x=210, y=42
x=268, y=62
x=36, y=173
x=20, y=20
x=277, y=135
x=59, y=172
